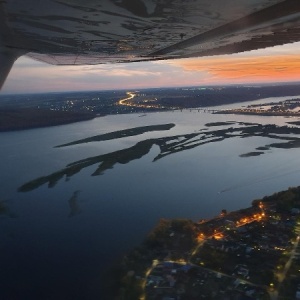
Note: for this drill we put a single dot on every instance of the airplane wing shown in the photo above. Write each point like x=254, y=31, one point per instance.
x=80, y=32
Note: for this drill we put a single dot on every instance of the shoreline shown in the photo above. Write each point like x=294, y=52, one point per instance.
x=247, y=252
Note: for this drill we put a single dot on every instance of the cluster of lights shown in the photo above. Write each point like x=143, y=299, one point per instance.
x=279, y=248
x=201, y=237
x=218, y=236
x=261, y=111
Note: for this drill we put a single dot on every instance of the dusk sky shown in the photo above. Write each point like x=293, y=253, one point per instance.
x=277, y=64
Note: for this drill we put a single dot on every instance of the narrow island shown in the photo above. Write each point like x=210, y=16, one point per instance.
x=252, y=253
x=168, y=145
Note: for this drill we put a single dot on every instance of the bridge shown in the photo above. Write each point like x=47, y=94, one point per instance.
x=202, y=110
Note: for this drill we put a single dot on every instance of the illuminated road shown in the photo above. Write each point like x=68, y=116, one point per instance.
x=145, y=105
x=123, y=101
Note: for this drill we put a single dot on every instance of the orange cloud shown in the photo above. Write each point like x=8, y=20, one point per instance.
x=246, y=69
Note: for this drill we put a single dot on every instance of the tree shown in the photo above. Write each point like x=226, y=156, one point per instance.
x=223, y=212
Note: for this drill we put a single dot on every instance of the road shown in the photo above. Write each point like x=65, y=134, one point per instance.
x=281, y=276
x=123, y=101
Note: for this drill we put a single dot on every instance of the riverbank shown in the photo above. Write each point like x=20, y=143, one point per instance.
x=28, y=118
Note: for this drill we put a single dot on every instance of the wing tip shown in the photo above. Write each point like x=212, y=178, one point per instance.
x=7, y=60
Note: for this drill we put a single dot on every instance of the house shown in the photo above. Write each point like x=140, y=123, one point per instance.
x=295, y=211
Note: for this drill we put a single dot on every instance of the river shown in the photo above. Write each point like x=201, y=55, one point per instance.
x=72, y=223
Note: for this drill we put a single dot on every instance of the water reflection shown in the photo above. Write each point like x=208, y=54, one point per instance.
x=168, y=145
x=73, y=204
x=4, y=209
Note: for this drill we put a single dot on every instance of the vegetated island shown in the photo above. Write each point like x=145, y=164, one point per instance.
x=28, y=118
x=212, y=124
x=251, y=253
x=168, y=145
x=254, y=153
x=120, y=134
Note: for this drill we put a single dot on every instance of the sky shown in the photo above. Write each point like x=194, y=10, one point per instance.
x=277, y=64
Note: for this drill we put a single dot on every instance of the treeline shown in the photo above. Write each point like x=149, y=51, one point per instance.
x=284, y=200
x=27, y=118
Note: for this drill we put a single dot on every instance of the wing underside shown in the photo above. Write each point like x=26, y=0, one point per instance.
x=73, y=32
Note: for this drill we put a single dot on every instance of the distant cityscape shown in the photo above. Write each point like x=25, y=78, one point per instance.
x=283, y=108
x=148, y=100
x=41, y=110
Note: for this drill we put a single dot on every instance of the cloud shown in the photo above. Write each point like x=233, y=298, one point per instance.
x=269, y=65
x=242, y=69
x=29, y=76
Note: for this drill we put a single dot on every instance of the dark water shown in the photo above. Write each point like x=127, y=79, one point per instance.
x=105, y=195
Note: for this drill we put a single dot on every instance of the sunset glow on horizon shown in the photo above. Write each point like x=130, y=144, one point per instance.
x=277, y=64
x=281, y=68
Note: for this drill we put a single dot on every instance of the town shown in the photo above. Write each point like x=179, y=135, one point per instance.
x=289, y=107
x=251, y=253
